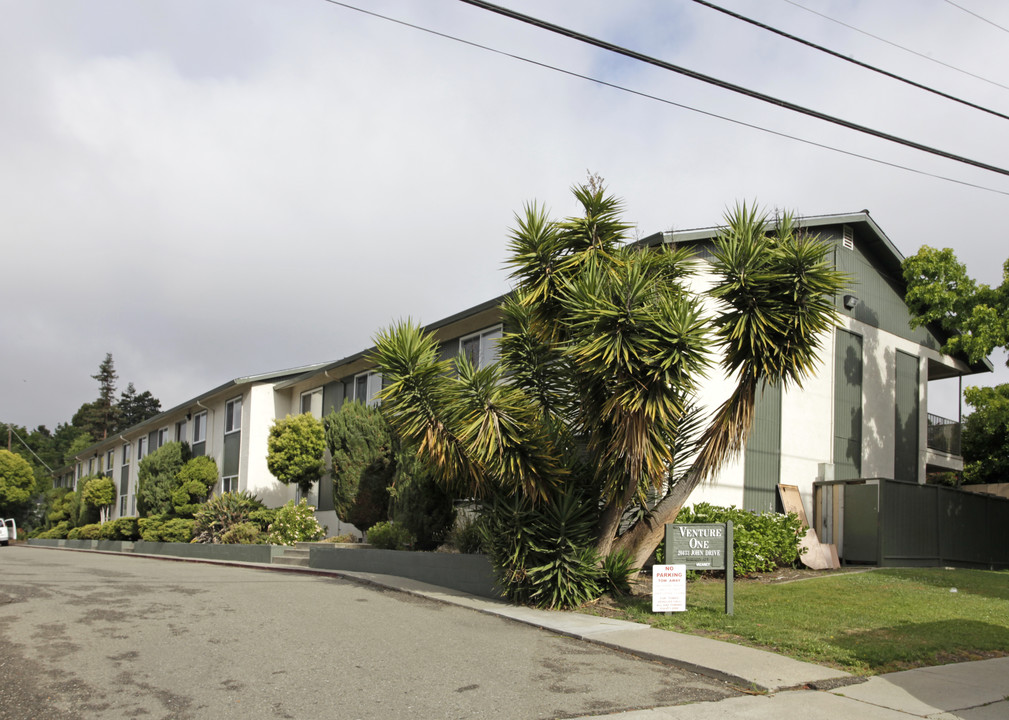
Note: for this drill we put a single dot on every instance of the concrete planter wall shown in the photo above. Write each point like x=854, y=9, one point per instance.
x=206, y=551
x=468, y=573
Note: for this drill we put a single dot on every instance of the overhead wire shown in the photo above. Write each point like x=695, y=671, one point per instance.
x=27, y=447
x=899, y=47
x=979, y=17
x=849, y=59
x=665, y=101
x=725, y=85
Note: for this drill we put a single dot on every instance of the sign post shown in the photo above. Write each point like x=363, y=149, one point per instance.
x=706, y=546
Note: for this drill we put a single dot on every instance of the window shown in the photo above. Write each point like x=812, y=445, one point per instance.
x=233, y=416
x=141, y=448
x=180, y=431
x=126, y=453
x=229, y=484
x=91, y=466
x=481, y=347
x=122, y=506
x=366, y=387
x=110, y=459
x=162, y=437
x=311, y=402
x=200, y=427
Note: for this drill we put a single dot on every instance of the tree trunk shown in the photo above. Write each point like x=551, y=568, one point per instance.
x=609, y=521
x=644, y=536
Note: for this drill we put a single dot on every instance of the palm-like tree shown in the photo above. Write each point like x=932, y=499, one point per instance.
x=605, y=348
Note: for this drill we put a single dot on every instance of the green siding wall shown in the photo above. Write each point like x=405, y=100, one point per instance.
x=762, y=466
x=906, y=416
x=847, y=405
x=332, y=397
x=881, y=297
x=232, y=452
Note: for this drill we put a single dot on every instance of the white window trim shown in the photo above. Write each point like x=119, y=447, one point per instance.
x=499, y=328
x=301, y=401
x=232, y=401
x=203, y=426
x=372, y=400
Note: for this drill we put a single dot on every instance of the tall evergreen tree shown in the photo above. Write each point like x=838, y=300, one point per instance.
x=133, y=407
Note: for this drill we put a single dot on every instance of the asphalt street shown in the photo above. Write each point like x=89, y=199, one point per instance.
x=85, y=635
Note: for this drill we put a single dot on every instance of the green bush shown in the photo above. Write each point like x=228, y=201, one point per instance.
x=89, y=532
x=124, y=528
x=263, y=517
x=156, y=478
x=618, y=569
x=467, y=536
x=345, y=538
x=221, y=512
x=194, y=481
x=295, y=523
x=364, y=463
x=164, y=529
x=761, y=543
x=73, y=534
x=389, y=536
x=245, y=533
x=544, y=554
x=57, y=532
x=424, y=506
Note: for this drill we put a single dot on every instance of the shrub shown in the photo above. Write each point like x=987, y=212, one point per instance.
x=221, y=512
x=74, y=534
x=124, y=528
x=164, y=529
x=389, y=536
x=156, y=478
x=295, y=450
x=364, y=463
x=618, y=569
x=761, y=543
x=58, y=531
x=263, y=517
x=295, y=523
x=544, y=554
x=193, y=484
x=99, y=492
x=424, y=507
x=345, y=538
x=245, y=533
x=467, y=536
x=89, y=532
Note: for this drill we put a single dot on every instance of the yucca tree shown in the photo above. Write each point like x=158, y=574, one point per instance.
x=605, y=348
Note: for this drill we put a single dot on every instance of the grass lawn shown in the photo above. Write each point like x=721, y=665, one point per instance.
x=865, y=623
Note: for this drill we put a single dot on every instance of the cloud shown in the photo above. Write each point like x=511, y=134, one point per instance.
x=214, y=190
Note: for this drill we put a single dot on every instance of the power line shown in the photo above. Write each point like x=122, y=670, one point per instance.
x=971, y=12
x=899, y=47
x=666, y=101
x=596, y=42
x=10, y=429
x=851, y=60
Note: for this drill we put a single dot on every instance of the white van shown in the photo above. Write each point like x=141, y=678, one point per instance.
x=8, y=531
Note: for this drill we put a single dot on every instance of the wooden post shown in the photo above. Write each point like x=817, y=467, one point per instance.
x=729, y=570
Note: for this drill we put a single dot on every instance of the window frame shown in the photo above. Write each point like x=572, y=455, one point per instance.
x=200, y=423
x=372, y=399
x=311, y=395
x=479, y=337
x=229, y=415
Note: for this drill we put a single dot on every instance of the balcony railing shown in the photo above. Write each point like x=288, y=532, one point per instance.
x=943, y=434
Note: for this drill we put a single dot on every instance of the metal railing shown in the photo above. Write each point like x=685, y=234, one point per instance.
x=943, y=434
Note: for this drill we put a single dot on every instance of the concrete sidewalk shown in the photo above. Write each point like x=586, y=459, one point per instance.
x=783, y=688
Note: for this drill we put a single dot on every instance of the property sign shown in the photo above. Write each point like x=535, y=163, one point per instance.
x=669, y=588
x=699, y=547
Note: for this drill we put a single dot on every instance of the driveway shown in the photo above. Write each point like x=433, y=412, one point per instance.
x=85, y=635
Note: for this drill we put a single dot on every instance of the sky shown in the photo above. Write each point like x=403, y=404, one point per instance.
x=218, y=188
